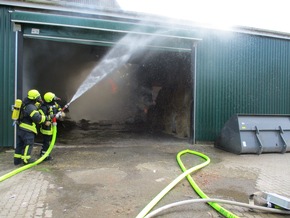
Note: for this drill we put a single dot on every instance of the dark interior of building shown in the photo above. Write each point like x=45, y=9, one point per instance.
x=151, y=92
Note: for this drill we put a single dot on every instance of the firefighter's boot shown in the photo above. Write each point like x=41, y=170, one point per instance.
x=42, y=152
x=17, y=159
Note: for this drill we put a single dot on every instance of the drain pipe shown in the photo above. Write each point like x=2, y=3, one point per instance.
x=25, y=167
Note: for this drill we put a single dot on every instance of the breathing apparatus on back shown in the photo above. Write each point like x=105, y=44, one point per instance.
x=16, y=110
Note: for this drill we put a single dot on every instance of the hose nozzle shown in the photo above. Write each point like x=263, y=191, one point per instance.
x=66, y=106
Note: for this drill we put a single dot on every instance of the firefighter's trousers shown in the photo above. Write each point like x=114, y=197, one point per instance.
x=24, y=146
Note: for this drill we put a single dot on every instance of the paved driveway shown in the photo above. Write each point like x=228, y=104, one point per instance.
x=120, y=176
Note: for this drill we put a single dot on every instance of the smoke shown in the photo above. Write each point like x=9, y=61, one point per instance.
x=112, y=99
x=56, y=66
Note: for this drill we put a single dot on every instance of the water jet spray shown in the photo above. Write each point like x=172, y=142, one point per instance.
x=113, y=60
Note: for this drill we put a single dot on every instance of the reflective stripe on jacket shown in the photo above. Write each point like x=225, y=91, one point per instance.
x=46, y=131
x=29, y=127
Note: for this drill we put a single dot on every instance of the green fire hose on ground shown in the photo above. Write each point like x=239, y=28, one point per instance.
x=186, y=173
x=25, y=167
x=214, y=205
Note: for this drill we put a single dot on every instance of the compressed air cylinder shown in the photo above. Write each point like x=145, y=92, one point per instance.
x=16, y=109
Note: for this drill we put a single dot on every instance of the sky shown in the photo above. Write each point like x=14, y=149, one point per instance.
x=223, y=14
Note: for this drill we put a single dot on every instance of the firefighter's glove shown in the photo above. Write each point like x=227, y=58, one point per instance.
x=62, y=114
x=47, y=123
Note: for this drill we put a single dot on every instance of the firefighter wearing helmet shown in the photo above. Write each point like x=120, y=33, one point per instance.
x=26, y=127
x=49, y=108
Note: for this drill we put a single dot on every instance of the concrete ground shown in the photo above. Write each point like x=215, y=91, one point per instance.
x=117, y=175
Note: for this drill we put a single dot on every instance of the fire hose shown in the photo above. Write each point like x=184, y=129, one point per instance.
x=213, y=202
x=178, y=179
x=25, y=167
x=214, y=205
x=206, y=200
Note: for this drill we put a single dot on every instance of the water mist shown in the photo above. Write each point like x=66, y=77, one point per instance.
x=113, y=60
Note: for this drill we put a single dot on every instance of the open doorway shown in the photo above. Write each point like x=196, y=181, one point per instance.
x=152, y=92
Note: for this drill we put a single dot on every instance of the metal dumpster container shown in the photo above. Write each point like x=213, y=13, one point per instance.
x=246, y=134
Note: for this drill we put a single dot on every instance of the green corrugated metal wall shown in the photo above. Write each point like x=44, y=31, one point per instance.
x=239, y=73
x=7, y=66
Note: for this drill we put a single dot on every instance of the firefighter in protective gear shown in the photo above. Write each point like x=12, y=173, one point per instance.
x=49, y=108
x=26, y=127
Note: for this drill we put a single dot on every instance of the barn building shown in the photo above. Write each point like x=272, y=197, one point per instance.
x=156, y=74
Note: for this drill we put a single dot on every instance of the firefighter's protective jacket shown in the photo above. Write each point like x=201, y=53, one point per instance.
x=30, y=116
x=48, y=109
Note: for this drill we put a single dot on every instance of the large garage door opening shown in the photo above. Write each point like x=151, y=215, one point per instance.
x=150, y=93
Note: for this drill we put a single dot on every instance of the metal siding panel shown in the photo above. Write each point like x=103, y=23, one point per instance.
x=163, y=36
x=98, y=37
x=6, y=77
x=239, y=73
